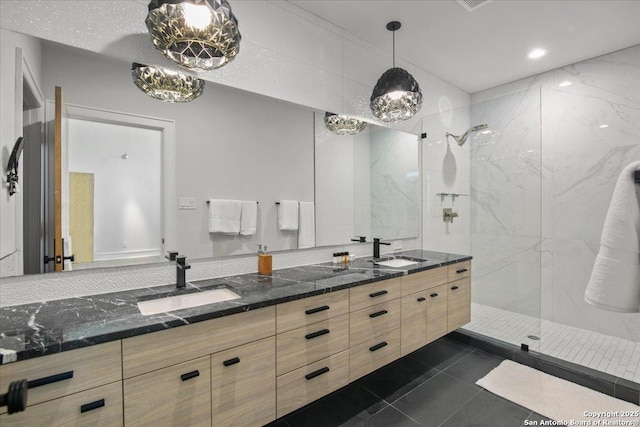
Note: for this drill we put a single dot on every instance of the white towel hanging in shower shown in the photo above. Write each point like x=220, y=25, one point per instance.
x=615, y=279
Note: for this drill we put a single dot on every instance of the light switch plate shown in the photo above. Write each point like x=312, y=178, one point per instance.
x=397, y=245
x=187, y=203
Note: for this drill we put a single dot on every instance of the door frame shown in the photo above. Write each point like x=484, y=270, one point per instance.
x=167, y=129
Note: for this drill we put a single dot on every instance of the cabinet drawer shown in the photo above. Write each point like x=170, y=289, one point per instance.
x=146, y=353
x=459, y=303
x=100, y=406
x=177, y=395
x=374, y=293
x=302, y=312
x=65, y=373
x=373, y=354
x=413, y=333
x=427, y=279
x=459, y=271
x=436, y=313
x=244, y=385
x=304, y=385
x=311, y=343
x=374, y=321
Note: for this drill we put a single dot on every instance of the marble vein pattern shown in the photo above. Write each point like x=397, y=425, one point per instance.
x=37, y=329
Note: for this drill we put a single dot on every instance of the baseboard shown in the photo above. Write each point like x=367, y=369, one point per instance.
x=605, y=383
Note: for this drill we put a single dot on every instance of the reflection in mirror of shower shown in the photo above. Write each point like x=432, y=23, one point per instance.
x=461, y=139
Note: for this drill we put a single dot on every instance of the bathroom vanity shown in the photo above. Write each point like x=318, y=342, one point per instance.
x=290, y=339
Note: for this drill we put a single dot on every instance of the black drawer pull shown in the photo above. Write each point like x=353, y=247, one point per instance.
x=378, y=313
x=231, y=361
x=317, y=310
x=453, y=288
x=378, y=346
x=190, y=375
x=422, y=299
x=316, y=334
x=317, y=373
x=378, y=294
x=433, y=295
x=91, y=406
x=461, y=270
x=52, y=379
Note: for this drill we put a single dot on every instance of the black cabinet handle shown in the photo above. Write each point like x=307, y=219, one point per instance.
x=317, y=373
x=91, y=406
x=378, y=313
x=378, y=346
x=316, y=334
x=453, y=288
x=461, y=270
x=378, y=294
x=422, y=299
x=433, y=295
x=190, y=375
x=317, y=310
x=231, y=361
x=52, y=379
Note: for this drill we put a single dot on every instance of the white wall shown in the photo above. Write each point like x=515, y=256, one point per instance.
x=542, y=192
x=10, y=130
x=127, y=192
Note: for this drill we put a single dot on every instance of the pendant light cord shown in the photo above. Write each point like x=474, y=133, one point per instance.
x=394, y=48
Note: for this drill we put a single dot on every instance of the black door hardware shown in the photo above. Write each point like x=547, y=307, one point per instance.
x=378, y=294
x=317, y=310
x=231, y=361
x=317, y=373
x=190, y=375
x=91, y=406
x=378, y=346
x=316, y=334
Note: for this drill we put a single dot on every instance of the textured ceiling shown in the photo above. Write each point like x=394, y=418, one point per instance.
x=471, y=50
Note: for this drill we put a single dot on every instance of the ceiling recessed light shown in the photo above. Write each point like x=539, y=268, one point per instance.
x=565, y=84
x=604, y=126
x=537, y=53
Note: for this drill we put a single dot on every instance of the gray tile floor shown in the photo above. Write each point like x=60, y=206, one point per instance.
x=434, y=386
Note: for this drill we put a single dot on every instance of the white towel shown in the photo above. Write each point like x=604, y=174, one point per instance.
x=249, y=218
x=288, y=215
x=224, y=216
x=615, y=279
x=307, y=226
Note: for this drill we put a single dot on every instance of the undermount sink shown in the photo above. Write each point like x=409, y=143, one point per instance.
x=396, y=263
x=179, y=302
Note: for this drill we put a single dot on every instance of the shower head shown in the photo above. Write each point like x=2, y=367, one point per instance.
x=463, y=138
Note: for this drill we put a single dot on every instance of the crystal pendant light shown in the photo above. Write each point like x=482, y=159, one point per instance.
x=397, y=95
x=343, y=125
x=166, y=85
x=200, y=34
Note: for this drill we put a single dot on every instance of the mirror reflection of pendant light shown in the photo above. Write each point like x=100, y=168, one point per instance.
x=397, y=95
x=166, y=85
x=199, y=34
x=343, y=125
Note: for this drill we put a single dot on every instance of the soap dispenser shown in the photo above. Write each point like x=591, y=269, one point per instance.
x=264, y=261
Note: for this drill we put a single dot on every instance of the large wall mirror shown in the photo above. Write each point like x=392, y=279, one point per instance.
x=139, y=170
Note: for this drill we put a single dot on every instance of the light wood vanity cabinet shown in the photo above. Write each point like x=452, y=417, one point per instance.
x=96, y=407
x=78, y=372
x=244, y=369
x=243, y=385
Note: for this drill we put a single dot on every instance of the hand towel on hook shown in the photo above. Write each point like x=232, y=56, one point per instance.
x=288, y=215
x=224, y=216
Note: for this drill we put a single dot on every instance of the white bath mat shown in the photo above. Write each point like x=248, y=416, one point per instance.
x=555, y=398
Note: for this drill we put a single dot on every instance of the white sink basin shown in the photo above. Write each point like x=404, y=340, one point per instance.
x=179, y=302
x=396, y=263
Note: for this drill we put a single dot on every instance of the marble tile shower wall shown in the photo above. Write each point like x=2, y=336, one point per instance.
x=542, y=183
x=445, y=169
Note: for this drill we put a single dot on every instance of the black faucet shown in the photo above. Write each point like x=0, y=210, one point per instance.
x=376, y=246
x=181, y=269
x=360, y=239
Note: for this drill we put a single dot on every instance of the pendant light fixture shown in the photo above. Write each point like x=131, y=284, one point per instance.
x=397, y=95
x=343, y=125
x=166, y=85
x=199, y=34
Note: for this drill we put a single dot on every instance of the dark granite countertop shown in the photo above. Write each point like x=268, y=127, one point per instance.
x=38, y=329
